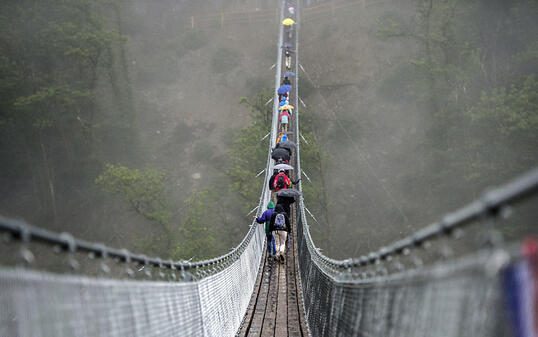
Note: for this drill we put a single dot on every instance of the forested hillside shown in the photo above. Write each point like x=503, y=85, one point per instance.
x=121, y=123
x=139, y=124
x=419, y=105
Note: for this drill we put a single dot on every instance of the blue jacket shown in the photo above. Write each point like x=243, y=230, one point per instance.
x=266, y=217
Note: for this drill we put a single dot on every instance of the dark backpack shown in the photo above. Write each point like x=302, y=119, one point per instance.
x=280, y=221
x=281, y=183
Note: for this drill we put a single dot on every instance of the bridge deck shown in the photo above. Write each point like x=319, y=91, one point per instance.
x=275, y=308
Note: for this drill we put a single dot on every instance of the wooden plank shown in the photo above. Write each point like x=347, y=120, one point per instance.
x=281, y=327
x=268, y=327
x=258, y=290
x=294, y=328
x=261, y=304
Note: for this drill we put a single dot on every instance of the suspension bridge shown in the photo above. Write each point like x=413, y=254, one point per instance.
x=393, y=291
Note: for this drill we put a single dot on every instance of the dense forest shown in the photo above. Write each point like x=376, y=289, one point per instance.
x=130, y=123
x=121, y=124
x=420, y=106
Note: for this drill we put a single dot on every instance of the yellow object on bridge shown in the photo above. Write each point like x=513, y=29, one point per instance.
x=288, y=22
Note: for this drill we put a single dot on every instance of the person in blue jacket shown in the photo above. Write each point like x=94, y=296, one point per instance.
x=266, y=217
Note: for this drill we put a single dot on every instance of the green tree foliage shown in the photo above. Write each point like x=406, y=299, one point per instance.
x=444, y=107
x=201, y=235
x=504, y=120
x=314, y=163
x=510, y=112
x=143, y=190
x=470, y=52
x=53, y=55
x=249, y=154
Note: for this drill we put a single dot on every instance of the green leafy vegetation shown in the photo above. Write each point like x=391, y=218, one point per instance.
x=248, y=155
x=53, y=56
x=201, y=235
x=85, y=83
x=143, y=190
x=444, y=106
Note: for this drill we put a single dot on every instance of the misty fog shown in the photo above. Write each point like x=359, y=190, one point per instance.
x=138, y=124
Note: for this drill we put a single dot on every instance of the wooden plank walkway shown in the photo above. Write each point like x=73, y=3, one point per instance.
x=275, y=308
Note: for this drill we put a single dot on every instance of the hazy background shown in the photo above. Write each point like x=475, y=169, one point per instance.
x=419, y=106
x=138, y=124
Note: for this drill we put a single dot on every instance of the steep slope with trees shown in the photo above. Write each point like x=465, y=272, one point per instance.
x=420, y=106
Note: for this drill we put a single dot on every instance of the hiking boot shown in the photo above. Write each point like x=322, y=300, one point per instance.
x=282, y=258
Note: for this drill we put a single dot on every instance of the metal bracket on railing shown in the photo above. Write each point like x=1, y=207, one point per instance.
x=26, y=256
x=173, y=269
x=146, y=266
x=127, y=259
x=160, y=266
x=186, y=276
x=71, y=248
x=105, y=269
x=490, y=237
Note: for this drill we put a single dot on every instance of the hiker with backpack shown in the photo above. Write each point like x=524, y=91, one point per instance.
x=284, y=118
x=281, y=181
x=281, y=138
x=279, y=225
x=283, y=97
x=266, y=217
x=285, y=202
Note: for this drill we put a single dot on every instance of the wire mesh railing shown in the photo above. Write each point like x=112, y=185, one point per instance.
x=375, y=295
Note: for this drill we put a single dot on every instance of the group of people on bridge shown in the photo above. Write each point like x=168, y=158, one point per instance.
x=277, y=215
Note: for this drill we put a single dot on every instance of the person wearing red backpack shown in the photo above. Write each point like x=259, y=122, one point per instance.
x=281, y=181
x=279, y=226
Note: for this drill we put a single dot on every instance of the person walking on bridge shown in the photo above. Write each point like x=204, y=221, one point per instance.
x=281, y=181
x=279, y=225
x=266, y=217
x=281, y=153
x=284, y=119
x=287, y=54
